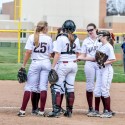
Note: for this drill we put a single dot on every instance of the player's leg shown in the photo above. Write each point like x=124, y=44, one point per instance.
x=56, y=91
x=97, y=93
x=33, y=100
x=56, y=101
x=90, y=77
x=25, y=101
x=103, y=102
x=69, y=90
x=53, y=95
x=43, y=86
x=107, y=76
x=62, y=96
x=35, y=97
x=30, y=84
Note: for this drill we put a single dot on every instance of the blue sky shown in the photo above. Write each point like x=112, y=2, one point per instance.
x=4, y=1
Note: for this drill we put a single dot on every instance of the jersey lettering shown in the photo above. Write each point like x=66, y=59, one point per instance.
x=41, y=48
x=94, y=48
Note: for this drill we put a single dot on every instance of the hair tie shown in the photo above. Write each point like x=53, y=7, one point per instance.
x=112, y=36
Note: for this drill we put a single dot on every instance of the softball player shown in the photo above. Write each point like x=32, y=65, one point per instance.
x=59, y=32
x=123, y=51
x=39, y=47
x=105, y=76
x=88, y=50
x=66, y=51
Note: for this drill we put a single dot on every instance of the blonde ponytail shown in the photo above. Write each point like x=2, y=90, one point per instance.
x=40, y=27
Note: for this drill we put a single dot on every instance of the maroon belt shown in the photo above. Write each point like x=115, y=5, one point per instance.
x=69, y=61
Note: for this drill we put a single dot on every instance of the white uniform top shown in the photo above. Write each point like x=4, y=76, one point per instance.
x=44, y=48
x=108, y=50
x=54, y=44
x=63, y=45
x=89, y=47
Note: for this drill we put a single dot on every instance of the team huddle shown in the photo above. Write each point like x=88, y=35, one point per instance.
x=98, y=54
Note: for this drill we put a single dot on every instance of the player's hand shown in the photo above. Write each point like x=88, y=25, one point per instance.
x=79, y=58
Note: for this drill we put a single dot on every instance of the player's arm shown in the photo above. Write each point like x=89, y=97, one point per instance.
x=52, y=55
x=77, y=54
x=57, y=50
x=78, y=48
x=110, y=61
x=26, y=57
x=83, y=57
x=55, y=60
x=111, y=57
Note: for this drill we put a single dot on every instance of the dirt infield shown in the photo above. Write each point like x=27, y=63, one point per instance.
x=11, y=98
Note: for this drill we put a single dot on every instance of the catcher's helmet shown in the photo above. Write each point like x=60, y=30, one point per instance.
x=69, y=25
x=103, y=33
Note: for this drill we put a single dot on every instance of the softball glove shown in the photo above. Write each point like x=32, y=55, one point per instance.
x=53, y=77
x=100, y=58
x=21, y=75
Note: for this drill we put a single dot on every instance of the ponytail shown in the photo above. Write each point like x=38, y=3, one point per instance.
x=111, y=39
x=40, y=27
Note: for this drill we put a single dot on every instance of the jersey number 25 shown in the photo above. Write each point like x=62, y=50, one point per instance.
x=41, y=48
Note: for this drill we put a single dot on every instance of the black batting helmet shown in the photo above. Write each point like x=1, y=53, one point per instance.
x=69, y=25
x=103, y=33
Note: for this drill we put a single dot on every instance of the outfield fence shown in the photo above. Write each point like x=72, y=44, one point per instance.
x=12, y=44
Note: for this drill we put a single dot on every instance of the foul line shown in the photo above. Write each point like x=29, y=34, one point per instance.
x=119, y=73
x=76, y=109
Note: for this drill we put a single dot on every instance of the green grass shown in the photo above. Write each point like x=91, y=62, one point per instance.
x=8, y=55
x=117, y=48
x=8, y=71
x=9, y=65
x=9, y=52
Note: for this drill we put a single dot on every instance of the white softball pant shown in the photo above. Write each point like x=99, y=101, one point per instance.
x=91, y=71
x=38, y=75
x=66, y=72
x=103, y=82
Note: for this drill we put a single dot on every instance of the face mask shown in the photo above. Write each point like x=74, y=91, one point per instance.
x=99, y=36
x=99, y=40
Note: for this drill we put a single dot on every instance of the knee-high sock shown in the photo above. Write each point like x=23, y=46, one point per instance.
x=97, y=103
x=71, y=99
x=35, y=100
x=103, y=101
x=43, y=96
x=62, y=95
x=107, y=103
x=89, y=96
x=26, y=98
x=58, y=99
